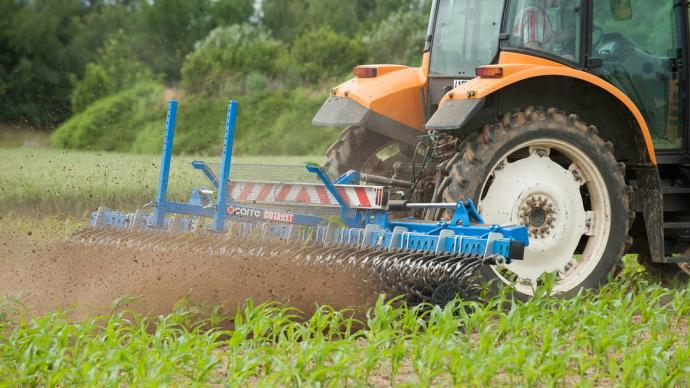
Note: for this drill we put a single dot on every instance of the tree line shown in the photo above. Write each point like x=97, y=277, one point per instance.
x=59, y=57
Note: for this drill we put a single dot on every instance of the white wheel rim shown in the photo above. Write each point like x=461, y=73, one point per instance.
x=547, y=197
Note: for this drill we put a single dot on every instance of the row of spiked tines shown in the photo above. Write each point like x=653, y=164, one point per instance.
x=419, y=277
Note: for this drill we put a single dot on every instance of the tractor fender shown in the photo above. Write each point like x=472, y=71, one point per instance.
x=519, y=67
x=392, y=103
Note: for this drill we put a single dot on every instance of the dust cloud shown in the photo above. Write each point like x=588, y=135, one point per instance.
x=49, y=275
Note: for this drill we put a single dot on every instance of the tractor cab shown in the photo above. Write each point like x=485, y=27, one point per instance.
x=635, y=45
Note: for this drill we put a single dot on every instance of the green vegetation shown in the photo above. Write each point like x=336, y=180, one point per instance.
x=631, y=334
x=114, y=122
x=100, y=71
x=271, y=122
x=53, y=182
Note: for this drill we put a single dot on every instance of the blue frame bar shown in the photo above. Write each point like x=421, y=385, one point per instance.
x=203, y=167
x=226, y=160
x=315, y=169
x=162, y=195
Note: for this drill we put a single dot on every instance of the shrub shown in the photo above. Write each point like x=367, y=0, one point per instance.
x=279, y=123
x=322, y=52
x=112, y=123
x=397, y=39
x=229, y=54
x=113, y=71
x=271, y=122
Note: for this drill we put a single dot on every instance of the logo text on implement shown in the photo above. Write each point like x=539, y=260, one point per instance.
x=268, y=215
x=278, y=216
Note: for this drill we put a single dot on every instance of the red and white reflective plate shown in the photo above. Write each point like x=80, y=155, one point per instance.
x=357, y=197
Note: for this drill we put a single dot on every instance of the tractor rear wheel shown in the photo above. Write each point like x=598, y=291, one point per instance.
x=551, y=172
x=366, y=151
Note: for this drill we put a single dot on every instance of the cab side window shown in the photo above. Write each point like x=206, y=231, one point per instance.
x=640, y=56
x=551, y=26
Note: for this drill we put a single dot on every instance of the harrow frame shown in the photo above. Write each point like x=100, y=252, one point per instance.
x=359, y=226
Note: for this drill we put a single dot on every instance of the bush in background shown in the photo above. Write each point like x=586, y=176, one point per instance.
x=114, y=70
x=322, y=53
x=112, y=123
x=398, y=39
x=271, y=122
x=227, y=55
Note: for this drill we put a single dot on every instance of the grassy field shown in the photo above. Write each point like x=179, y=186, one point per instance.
x=631, y=334
x=40, y=181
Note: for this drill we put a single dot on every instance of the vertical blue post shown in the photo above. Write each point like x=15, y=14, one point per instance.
x=225, y=165
x=162, y=195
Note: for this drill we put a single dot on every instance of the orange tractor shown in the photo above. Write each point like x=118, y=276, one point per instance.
x=567, y=116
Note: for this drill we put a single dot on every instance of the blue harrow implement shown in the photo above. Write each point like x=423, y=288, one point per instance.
x=307, y=215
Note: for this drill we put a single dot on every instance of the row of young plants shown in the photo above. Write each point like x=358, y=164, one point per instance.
x=631, y=333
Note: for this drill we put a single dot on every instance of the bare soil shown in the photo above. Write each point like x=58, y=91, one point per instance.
x=48, y=275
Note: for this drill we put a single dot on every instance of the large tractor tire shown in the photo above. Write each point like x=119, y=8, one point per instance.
x=366, y=151
x=669, y=275
x=550, y=171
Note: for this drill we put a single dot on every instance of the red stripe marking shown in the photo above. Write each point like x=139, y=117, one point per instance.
x=245, y=192
x=263, y=194
x=323, y=195
x=362, y=196
x=302, y=196
x=283, y=192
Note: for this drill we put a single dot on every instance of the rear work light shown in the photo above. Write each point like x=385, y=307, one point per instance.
x=365, y=72
x=490, y=72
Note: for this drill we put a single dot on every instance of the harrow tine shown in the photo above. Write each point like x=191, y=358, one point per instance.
x=420, y=276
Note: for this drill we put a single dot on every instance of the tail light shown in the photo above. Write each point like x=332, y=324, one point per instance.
x=365, y=72
x=490, y=72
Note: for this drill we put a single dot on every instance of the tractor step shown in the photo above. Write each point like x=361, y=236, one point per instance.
x=679, y=231
x=677, y=225
x=676, y=260
x=675, y=190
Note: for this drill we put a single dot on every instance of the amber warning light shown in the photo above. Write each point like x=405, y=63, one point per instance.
x=490, y=72
x=364, y=72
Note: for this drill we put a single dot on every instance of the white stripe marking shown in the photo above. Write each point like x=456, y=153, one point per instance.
x=254, y=194
x=236, y=191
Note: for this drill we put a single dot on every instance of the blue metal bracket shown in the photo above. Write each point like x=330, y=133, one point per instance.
x=351, y=177
x=162, y=195
x=466, y=213
x=203, y=167
x=315, y=169
x=351, y=217
x=226, y=163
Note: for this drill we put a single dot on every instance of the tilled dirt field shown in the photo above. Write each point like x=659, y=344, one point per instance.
x=47, y=275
